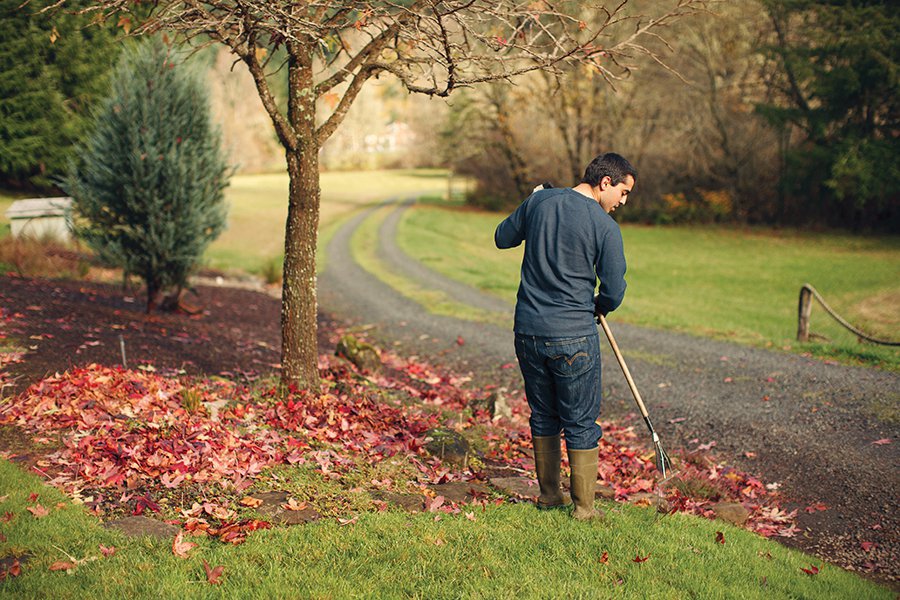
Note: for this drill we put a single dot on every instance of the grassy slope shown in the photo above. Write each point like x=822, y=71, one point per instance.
x=258, y=209
x=509, y=551
x=727, y=283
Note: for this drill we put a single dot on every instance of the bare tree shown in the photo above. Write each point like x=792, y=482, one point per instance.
x=433, y=47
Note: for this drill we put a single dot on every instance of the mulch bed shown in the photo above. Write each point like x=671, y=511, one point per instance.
x=67, y=323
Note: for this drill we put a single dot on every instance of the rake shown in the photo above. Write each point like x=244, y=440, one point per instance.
x=662, y=459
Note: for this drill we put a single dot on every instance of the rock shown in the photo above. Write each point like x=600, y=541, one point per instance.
x=364, y=356
x=271, y=499
x=412, y=503
x=272, y=509
x=460, y=491
x=731, y=512
x=521, y=487
x=295, y=517
x=605, y=491
x=447, y=445
x=137, y=526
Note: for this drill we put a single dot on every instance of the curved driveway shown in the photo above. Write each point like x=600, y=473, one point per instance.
x=803, y=424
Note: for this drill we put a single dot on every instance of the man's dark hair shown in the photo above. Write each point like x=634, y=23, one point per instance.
x=611, y=165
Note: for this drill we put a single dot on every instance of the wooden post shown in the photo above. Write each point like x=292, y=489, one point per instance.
x=804, y=309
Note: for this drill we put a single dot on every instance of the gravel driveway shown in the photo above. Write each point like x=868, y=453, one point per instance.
x=804, y=425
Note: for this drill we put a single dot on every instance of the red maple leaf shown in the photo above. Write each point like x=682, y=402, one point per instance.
x=180, y=547
x=604, y=558
x=720, y=538
x=638, y=558
x=38, y=511
x=62, y=565
x=213, y=574
x=812, y=570
x=107, y=551
x=866, y=546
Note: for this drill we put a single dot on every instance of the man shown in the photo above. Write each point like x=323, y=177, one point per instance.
x=570, y=241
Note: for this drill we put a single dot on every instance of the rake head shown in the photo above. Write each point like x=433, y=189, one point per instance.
x=663, y=463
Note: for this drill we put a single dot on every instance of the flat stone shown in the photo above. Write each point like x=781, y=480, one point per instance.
x=460, y=491
x=136, y=526
x=731, y=512
x=296, y=517
x=412, y=503
x=447, y=445
x=274, y=498
x=605, y=491
x=365, y=356
x=522, y=487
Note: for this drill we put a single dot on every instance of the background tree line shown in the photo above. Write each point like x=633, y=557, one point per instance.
x=770, y=112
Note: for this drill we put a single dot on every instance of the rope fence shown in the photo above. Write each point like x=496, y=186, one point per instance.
x=807, y=293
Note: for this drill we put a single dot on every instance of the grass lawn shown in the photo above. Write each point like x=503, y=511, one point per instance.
x=254, y=239
x=508, y=551
x=727, y=283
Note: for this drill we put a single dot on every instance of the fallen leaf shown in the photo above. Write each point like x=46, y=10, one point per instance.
x=866, y=546
x=107, y=551
x=14, y=570
x=251, y=502
x=294, y=505
x=677, y=420
x=348, y=521
x=604, y=558
x=62, y=565
x=460, y=341
x=7, y=517
x=213, y=574
x=38, y=511
x=180, y=548
x=812, y=570
x=33, y=497
x=470, y=516
x=720, y=538
x=881, y=442
x=815, y=508
x=435, y=504
x=638, y=558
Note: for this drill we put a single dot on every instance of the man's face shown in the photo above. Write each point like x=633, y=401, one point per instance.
x=613, y=196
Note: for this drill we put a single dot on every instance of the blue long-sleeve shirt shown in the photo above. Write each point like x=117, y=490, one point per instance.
x=569, y=242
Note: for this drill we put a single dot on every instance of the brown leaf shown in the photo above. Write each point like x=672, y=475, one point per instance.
x=604, y=558
x=213, y=574
x=251, y=502
x=720, y=538
x=38, y=511
x=62, y=565
x=180, y=547
x=294, y=505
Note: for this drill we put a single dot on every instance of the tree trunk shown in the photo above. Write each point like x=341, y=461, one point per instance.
x=299, y=349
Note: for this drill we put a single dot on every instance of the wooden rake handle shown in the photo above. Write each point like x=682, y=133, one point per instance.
x=625, y=371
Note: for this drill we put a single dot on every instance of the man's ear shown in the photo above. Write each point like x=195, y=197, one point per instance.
x=605, y=182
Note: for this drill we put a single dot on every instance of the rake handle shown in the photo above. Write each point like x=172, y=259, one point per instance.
x=625, y=371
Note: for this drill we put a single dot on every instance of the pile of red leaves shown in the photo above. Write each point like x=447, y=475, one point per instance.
x=124, y=430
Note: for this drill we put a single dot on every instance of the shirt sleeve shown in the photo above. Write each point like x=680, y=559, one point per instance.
x=511, y=231
x=610, y=269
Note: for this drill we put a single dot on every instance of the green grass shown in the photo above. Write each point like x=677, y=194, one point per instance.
x=726, y=283
x=258, y=210
x=510, y=551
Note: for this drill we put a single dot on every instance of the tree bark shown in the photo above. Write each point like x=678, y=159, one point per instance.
x=299, y=350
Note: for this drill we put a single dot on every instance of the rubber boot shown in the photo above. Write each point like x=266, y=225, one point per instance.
x=584, y=483
x=547, y=459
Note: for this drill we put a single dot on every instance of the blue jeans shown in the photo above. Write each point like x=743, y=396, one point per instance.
x=562, y=384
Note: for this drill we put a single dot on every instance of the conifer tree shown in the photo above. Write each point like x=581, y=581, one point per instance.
x=148, y=184
x=53, y=71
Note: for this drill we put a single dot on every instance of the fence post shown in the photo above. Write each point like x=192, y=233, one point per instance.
x=804, y=309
